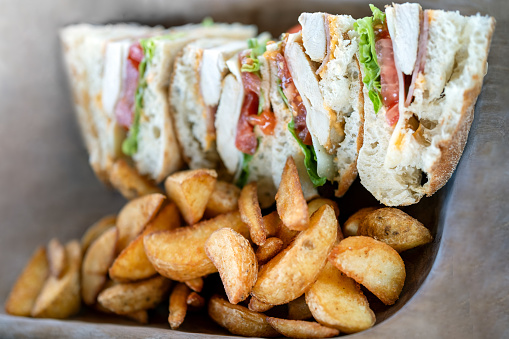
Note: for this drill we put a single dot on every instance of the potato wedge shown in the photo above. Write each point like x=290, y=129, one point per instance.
x=235, y=260
x=395, y=228
x=238, y=319
x=281, y=279
x=352, y=224
x=135, y=215
x=60, y=297
x=178, y=305
x=301, y=329
x=132, y=263
x=337, y=301
x=268, y=250
x=315, y=204
x=298, y=309
x=129, y=182
x=95, y=266
x=373, y=264
x=195, y=284
x=291, y=205
x=131, y=297
x=286, y=235
x=251, y=214
x=195, y=301
x=224, y=199
x=191, y=191
x=56, y=258
x=179, y=254
x=29, y=284
x=256, y=305
x=272, y=223
x=94, y=231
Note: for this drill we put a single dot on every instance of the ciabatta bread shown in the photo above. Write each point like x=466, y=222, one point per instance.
x=415, y=158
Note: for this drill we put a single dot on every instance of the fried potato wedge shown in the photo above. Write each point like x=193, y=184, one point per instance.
x=29, y=284
x=272, y=223
x=179, y=254
x=251, y=214
x=131, y=297
x=256, y=305
x=352, y=224
x=94, y=231
x=135, y=215
x=282, y=279
x=95, y=266
x=395, y=228
x=373, y=264
x=191, y=191
x=235, y=260
x=315, y=204
x=298, y=309
x=224, y=199
x=129, y=182
x=56, y=258
x=268, y=250
x=132, y=263
x=178, y=305
x=60, y=297
x=239, y=320
x=195, y=284
x=195, y=301
x=337, y=301
x=291, y=205
x=301, y=329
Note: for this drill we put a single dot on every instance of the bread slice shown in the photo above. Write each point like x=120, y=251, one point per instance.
x=322, y=61
x=84, y=49
x=415, y=158
x=193, y=117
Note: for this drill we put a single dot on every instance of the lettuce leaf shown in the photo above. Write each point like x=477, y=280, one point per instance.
x=207, y=22
x=367, y=55
x=309, y=158
x=130, y=144
x=309, y=151
x=244, y=172
x=257, y=49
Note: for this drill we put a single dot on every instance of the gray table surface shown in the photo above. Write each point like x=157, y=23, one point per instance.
x=47, y=188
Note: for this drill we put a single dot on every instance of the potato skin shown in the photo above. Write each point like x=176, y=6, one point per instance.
x=373, y=264
x=395, y=228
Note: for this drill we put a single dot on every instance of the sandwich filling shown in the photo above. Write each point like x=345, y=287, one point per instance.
x=254, y=111
x=297, y=126
x=129, y=107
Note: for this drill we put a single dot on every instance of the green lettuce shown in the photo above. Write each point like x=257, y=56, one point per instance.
x=310, y=160
x=244, y=172
x=130, y=144
x=207, y=22
x=257, y=49
x=367, y=54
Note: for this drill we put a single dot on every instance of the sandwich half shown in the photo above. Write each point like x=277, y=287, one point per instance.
x=85, y=54
x=122, y=90
x=423, y=72
x=195, y=91
x=324, y=88
x=253, y=140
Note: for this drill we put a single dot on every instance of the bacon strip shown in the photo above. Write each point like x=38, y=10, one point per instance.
x=124, y=109
x=421, y=56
